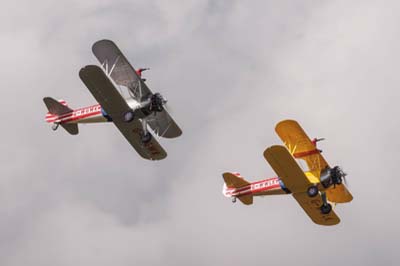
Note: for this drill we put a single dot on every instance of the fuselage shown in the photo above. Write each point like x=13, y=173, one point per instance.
x=270, y=186
x=90, y=114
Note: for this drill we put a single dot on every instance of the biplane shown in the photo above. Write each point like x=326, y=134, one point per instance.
x=315, y=189
x=133, y=108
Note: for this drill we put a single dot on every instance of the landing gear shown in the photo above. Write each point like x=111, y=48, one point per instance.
x=312, y=191
x=129, y=116
x=55, y=126
x=233, y=199
x=146, y=137
x=326, y=208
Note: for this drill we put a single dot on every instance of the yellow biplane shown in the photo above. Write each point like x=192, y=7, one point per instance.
x=314, y=189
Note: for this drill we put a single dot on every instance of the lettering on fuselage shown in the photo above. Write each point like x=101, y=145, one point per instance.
x=87, y=110
x=265, y=184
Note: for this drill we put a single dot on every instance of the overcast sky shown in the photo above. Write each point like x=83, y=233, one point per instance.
x=230, y=70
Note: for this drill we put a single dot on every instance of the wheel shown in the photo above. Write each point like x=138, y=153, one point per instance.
x=233, y=199
x=145, y=138
x=129, y=116
x=312, y=191
x=54, y=127
x=326, y=208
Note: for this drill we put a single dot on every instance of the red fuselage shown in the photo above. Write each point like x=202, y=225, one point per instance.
x=270, y=186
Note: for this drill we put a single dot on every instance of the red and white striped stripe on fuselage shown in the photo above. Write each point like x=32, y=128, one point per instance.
x=90, y=114
x=270, y=186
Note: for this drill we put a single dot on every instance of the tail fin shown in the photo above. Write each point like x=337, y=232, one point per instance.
x=58, y=108
x=234, y=180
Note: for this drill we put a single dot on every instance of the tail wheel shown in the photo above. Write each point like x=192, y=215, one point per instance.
x=326, y=208
x=129, y=116
x=55, y=126
x=312, y=191
x=145, y=138
x=233, y=199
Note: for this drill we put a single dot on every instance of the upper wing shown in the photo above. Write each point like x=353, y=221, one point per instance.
x=118, y=67
x=300, y=145
x=121, y=71
x=286, y=168
x=295, y=180
x=312, y=207
x=115, y=106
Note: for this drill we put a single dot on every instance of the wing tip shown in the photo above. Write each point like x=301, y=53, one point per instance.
x=273, y=148
x=102, y=42
x=286, y=122
x=101, y=45
x=89, y=68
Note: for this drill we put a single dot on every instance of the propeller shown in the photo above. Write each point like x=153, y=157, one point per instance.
x=157, y=103
x=157, y=118
x=338, y=176
x=342, y=175
x=345, y=179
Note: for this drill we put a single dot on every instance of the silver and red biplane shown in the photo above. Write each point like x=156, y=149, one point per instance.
x=132, y=109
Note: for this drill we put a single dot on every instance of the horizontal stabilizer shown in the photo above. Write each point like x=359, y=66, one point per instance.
x=71, y=128
x=55, y=107
x=233, y=181
x=247, y=199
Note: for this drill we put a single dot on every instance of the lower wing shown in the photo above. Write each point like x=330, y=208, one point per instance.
x=115, y=106
x=296, y=181
x=312, y=206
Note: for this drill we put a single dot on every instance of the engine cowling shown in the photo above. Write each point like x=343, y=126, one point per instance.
x=332, y=176
x=156, y=103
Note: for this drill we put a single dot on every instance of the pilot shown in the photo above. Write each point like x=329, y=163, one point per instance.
x=139, y=72
x=315, y=141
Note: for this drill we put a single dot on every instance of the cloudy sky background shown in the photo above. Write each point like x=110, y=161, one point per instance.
x=231, y=71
